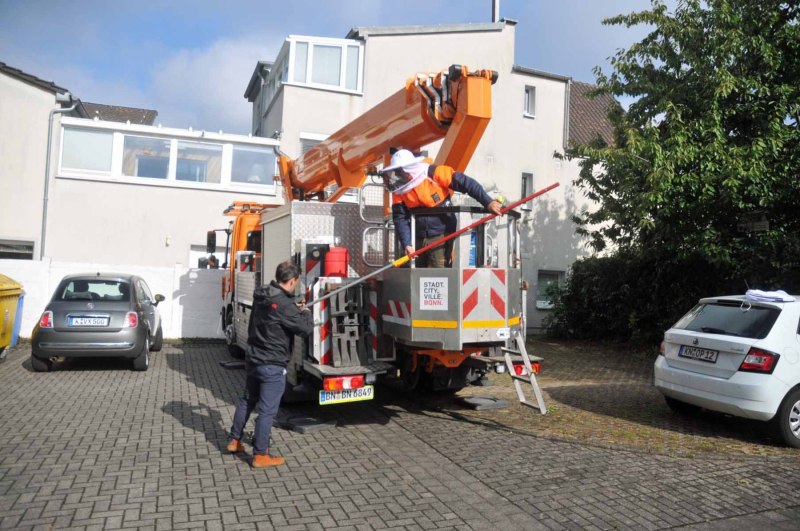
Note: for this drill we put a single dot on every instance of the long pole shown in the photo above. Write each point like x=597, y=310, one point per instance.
x=406, y=258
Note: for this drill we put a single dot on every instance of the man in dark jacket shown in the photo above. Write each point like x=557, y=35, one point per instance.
x=275, y=320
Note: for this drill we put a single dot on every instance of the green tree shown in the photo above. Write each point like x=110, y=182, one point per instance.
x=711, y=140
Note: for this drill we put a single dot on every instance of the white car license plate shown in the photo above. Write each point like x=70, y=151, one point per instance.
x=88, y=321
x=346, y=395
x=695, y=353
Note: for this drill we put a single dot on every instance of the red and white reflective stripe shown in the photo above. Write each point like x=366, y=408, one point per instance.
x=312, y=273
x=484, y=285
x=343, y=382
x=322, y=334
x=398, y=312
x=373, y=319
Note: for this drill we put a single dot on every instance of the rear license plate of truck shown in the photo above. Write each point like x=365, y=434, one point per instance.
x=346, y=395
x=702, y=354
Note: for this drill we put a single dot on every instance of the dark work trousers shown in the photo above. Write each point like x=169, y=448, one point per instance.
x=263, y=391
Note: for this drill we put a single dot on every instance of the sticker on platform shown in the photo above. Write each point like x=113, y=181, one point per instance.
x=433, y=293
x=503, y=333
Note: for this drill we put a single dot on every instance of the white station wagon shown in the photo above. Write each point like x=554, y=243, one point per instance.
x=738, y=355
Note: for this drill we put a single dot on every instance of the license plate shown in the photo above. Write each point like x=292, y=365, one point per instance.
x=702, y=354
x=87, y=321
x=346, y=395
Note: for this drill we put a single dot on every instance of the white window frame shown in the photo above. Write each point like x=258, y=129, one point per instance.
x=343, y=44
x=546, y=304
x=530, y=91
x=526, y=189
x=173, y=136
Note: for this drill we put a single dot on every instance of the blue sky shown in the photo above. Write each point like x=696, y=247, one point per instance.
x=191, y=59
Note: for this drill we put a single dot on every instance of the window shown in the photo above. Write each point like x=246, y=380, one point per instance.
x=332, y=63
x=300, y=61
x=253, y=165
x=86, y=149
x=200, y=163
x=526, y=190
x=326, y=65
x=351, y=79
x=530, y=101
x=85, y=289
x=145, y=157
x=545, y=282
x=151, y=156
x=16, y=250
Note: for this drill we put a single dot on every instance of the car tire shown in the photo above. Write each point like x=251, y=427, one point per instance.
x=41, y=365
x=142, y=361
x=158, y=342
x=680, y=407
x=787, y=420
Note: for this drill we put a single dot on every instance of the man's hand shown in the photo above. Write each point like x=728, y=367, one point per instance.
x=495, y=207
x=409, y=249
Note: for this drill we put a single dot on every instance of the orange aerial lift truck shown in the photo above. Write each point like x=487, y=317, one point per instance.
x=444, y=328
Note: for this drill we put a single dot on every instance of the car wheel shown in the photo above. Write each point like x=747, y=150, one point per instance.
x=41, y=365
x=142, y=361
x=787, y=419
x=158, y=342
x=680, y=407
x=230, y=337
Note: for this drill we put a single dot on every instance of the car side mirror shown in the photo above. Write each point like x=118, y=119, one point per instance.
x=159, y=298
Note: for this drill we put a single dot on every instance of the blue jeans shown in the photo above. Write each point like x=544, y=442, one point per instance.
x=263, y=391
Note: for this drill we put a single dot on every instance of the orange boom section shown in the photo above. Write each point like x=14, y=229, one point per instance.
x=454, y=105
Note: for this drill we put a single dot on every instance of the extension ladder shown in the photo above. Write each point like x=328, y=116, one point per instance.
x=530, y=378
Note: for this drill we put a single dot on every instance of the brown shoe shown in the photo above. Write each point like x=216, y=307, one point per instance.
x=263, y=461
x=235, y=446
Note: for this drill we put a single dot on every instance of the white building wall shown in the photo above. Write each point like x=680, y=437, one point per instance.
x=118, y=223
x=191, y=308
x=24, y=110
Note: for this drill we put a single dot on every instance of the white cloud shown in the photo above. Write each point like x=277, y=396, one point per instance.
x=203, y=88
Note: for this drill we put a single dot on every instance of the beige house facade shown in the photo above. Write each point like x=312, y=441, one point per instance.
x=317, y=85
x=116, y=193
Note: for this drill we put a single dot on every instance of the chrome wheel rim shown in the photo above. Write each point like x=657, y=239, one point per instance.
x=794, y=419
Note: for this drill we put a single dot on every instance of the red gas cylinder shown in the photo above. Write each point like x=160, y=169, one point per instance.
x=336, y=260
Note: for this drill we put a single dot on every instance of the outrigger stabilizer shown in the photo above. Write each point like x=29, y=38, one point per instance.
x=399, y=262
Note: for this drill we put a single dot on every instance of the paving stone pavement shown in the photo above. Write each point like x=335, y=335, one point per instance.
x=94, y=445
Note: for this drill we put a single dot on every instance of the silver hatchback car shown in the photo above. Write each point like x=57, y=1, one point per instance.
x=736, y=355
x=98, y=315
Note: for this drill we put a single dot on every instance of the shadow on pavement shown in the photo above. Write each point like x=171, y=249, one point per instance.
x=642, y=404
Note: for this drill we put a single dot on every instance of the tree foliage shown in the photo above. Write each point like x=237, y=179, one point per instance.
x=711, y=141
x=710, y=144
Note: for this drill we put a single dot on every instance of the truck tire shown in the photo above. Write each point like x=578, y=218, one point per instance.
x=786, y=421
x=230, y=336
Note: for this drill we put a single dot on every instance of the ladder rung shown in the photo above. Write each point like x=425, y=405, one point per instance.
x=520, y=378
x=510, y=351
x=531, y=404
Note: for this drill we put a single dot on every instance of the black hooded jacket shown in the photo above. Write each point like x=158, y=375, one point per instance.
x=273, y=324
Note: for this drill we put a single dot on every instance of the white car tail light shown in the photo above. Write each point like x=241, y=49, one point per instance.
x=662, y=349
x=343, y=382
x=46, y=320
x=131, y=320
x=758, y=360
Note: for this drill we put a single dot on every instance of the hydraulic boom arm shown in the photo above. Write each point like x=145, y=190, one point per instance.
x=454, y=105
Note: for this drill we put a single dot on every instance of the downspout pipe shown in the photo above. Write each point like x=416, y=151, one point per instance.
x=67, y=97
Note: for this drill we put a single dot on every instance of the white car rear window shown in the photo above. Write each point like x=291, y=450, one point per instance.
x=730, y=318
